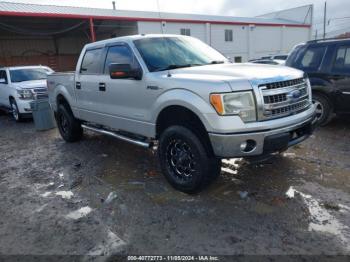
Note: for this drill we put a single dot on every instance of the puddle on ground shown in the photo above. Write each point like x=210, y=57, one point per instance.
x=321, y=219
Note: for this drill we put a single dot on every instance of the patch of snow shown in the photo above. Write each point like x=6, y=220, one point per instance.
x=41, y=208
x=46, y=194
x=228, y=170
x=232, y=161
x=290, y=192
x=110, y=245
x=291, y=155
x=65, y=194
x=61, y=175
x=111, y=196
x=81, y=212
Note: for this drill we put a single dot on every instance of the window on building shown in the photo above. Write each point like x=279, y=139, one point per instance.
x=342, y=60
x=120, y=54
x=3, y=76
x=91, y=62
x=238, y=59
x=185, y=31
x=228, y=35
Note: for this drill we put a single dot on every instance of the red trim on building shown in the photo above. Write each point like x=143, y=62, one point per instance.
x=74, y=16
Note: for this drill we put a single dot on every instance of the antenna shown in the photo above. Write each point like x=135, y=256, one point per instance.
x=160, y=17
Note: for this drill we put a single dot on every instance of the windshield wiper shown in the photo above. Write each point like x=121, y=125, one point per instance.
x=169, y=67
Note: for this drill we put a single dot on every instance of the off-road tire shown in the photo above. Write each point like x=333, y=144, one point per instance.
x=179, y=145
x=324, y=109
x=69, y=127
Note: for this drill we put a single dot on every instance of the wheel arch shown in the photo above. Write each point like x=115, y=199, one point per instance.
x=183, y=116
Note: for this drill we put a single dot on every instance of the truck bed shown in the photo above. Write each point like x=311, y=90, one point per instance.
x=58, y=83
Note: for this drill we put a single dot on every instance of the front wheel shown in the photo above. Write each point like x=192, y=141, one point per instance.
x=17, y=116
x=184, y=160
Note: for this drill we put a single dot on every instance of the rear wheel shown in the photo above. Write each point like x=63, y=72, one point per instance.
x=69, y=127
x=324, y=109
x=185, y=161
x=17, y=116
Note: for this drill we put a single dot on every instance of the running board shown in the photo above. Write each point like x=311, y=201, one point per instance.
x=121, y=137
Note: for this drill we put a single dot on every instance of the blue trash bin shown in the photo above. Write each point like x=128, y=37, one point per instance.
x=42, y=115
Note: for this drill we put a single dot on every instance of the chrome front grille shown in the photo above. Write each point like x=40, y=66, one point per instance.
x=284, y=98
x=40, y=93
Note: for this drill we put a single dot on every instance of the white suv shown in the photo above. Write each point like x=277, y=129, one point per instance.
x=21, y=85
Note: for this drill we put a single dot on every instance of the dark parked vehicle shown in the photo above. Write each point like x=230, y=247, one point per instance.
x=327, y=63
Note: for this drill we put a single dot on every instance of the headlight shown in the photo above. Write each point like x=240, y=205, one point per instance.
x=238, y=103
x=309, y=90
x=25, y=94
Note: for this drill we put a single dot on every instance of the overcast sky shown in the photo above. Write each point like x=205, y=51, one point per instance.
x=336, y=8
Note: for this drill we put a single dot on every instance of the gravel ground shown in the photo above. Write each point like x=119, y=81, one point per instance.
x=104, y=196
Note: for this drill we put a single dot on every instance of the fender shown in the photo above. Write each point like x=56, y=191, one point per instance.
x=324, y=86
x=184, y=98
x=69, y=96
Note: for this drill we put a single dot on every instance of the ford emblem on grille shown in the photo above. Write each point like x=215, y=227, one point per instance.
x=294, y=95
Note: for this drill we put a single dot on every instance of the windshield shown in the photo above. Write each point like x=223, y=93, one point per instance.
x=163, y=53
x=28, y=74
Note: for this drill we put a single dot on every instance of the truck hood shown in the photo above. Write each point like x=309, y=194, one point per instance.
x=30, y=84
x=238, y=72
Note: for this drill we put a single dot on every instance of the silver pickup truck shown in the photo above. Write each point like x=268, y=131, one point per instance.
x=185, y=98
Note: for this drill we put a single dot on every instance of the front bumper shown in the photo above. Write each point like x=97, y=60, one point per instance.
x=24, y=106
x=264, y=142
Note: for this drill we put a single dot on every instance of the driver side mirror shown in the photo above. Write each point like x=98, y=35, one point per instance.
x=3, y=81
x=124, y=71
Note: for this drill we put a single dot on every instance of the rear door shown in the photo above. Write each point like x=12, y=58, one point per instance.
x=86, y=84
x=340, y=77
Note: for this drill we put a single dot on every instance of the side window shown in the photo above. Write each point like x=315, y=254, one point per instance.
x=3, y=76
x=120, y=54
x=91, y=63
x=185, y=31
x=313, y=57
x=342, y=60
x=228, y=35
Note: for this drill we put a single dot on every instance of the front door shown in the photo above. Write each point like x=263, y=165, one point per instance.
x=127, y=102
x=340, y=77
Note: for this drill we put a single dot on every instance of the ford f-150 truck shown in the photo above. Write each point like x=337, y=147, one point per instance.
x=185, y=98
x=20, y=85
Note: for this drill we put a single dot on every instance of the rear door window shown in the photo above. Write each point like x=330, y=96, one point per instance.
x=341, y=62
x=312, y=57
x=91, y=63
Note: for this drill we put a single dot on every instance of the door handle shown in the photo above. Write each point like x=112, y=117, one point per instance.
x=78, y=85
x=102, y=86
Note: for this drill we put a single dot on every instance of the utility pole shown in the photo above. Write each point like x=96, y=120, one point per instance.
x=316, y=34
x=324, y=20
x=113, y=4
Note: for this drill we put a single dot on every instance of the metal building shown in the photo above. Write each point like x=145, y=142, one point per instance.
x=54, y=35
